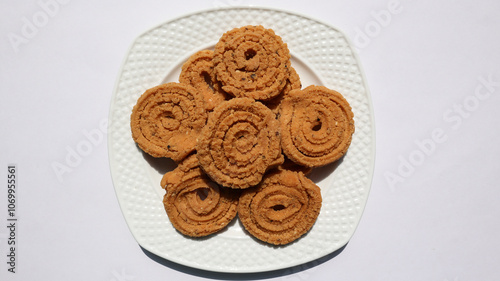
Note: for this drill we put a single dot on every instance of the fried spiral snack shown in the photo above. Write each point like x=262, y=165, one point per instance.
x=195, y=205
x=316, y=126
x=239, y=143
x=252, y=61
x=166, y=120
x=198, y=71
x=282, y=208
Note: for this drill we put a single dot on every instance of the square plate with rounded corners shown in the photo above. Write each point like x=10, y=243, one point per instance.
x=321, y=55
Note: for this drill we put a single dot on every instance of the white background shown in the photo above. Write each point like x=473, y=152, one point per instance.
x=433, y=211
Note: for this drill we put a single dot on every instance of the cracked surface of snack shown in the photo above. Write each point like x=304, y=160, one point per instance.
x=252, y=61
x=166, y=120
x=195, y=205
x=282, y=208
x=316, y=126
x=198, y=71
x=239, y=143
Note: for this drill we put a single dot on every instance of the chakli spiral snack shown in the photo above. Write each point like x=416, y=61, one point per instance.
x=239, y=143
x=252, y=61
x=282, y=208
x=316, y=126
x=198, y=71
x=166, y=120
x=195, y=205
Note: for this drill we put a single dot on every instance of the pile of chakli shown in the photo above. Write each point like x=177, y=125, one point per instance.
x=245, y=136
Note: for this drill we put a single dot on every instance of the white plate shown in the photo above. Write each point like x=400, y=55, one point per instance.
x=322, y=55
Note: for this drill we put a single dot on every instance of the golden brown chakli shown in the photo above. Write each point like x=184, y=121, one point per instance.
x=198, y=71
x=282, y=208
x=167, y=119
x=252, y=61
x=316, y=126
x=195, y=205
x=240, y=142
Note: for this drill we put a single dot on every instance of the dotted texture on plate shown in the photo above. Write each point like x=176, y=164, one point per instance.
x=154, y=54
